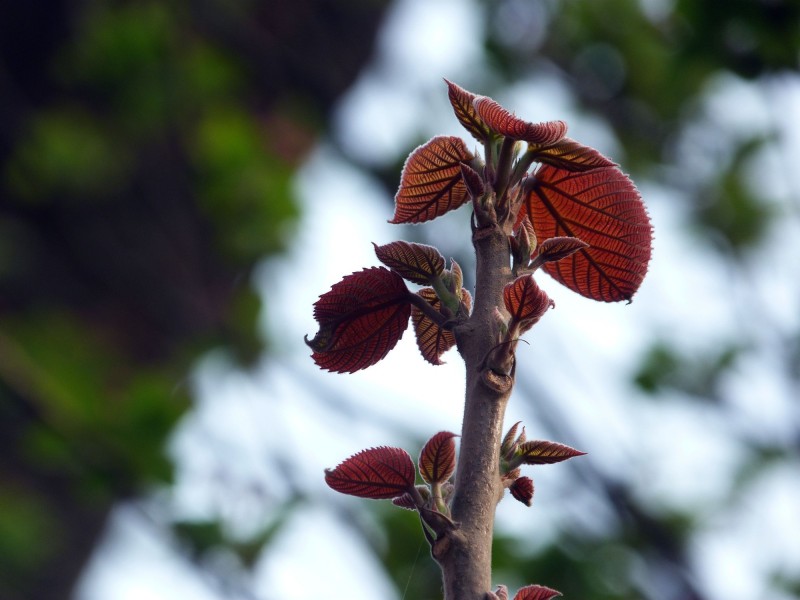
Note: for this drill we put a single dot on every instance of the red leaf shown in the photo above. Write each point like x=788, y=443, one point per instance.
x=603, y=208
x=417, y=263
x=360, y=319
x=526, y=302
x=375, y=473
x=509, y=439
x=437, y=461
x=536, y=592
x=404, y=501
x=432, y=340
x=571, y=155
x=557, y=248
x=540, y=452
x=504, y=123
x=524, y=223
x=522, y=490
x=431, y=183
x=463, y=106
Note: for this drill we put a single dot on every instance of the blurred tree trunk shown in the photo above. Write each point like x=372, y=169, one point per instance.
x=121, y=244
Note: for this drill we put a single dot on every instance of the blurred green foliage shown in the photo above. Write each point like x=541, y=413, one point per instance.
x=203, y=540
x=146, y=156
x=406, y=554
x=732, y=208
x=66, y=152
x=665, y=368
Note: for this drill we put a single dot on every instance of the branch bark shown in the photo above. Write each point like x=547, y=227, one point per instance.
x=465, y=555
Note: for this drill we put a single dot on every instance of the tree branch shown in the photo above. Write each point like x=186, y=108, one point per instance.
x=467, y=560
x=430, y=312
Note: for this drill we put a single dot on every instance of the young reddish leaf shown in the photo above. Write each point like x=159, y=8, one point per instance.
x=526, y=239
x=522, y=437
x=526, y=302
x=510, y=445
x=540, y=452
x=557, y=248
x=509, y=439
x=504, y=123
x=472, y=180
x=360, y=319
x=522, y=490
x=570, y=155
x=431, y=183
x=404, y=501
x=408, y=502
x=603, y=208
x=463, y=106
x=432, y=340
x=466, y=302
x=437, y=461
x=524, y=223
x=418, y=263
x=536, y=592
x=375, y=473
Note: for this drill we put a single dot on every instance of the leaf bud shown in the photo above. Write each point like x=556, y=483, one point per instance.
x=508, y=439
x=522, y=490
x=527, y=236
x=473, y=180
x=500, y=322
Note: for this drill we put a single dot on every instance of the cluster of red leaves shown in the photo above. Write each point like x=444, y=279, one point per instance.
x=388, y=473
x=596, y=240
x=576, y=192
x=595, y=231
x=363, y=316
x=385, y=472
x=516, y=451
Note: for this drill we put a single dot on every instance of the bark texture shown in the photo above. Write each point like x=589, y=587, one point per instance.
x=466, y=553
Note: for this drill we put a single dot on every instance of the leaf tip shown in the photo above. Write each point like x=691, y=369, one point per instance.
x=437, y=460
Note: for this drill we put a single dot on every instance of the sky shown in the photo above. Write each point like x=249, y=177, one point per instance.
x=678, y=453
